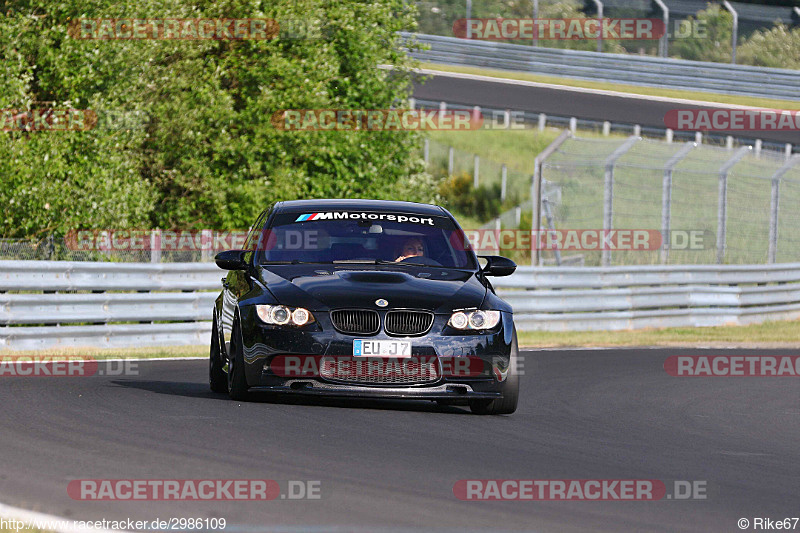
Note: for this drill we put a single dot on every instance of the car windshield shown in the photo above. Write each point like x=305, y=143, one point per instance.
x=364, y=237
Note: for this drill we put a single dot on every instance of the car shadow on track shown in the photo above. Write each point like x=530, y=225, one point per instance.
x=191, y=389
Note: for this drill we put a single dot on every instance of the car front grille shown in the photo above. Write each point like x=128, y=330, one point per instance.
x=356, y=321
x=380, y=371
x=408, y=322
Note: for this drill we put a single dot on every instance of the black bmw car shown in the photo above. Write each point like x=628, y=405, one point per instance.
x=364, y=298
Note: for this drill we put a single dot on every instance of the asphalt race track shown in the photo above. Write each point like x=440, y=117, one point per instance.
x=500, y=94
x=391, y=466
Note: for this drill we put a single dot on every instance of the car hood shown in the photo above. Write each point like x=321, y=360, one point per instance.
x=322, y=288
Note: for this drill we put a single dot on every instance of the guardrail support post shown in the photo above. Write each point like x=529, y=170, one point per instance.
x=542, y=121
x=722, y=208
x=774, y=206
x=669, y=134
x=536, y=193
x=606, y=128
x=757, y=148
x=608, y=191
x=666, y=198
x=573, y=125
x=729, y=142
x=788, y=150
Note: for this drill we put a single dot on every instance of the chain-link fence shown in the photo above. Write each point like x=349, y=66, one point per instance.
x=709, y=204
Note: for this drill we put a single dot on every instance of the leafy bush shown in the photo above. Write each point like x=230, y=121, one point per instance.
x=462, y=198
x=205, y=154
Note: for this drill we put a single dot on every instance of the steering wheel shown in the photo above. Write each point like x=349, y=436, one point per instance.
x=422, y=260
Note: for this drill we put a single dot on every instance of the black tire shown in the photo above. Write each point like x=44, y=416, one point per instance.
x=509, y=389
x=237, y=382
x=217, y=379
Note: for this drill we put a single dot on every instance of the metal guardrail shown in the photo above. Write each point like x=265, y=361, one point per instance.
x=650, y=71
x=634, y=297
x=34, y=321
x=543, y=298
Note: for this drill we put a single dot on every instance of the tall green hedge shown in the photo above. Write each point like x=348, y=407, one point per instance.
x=184, y=137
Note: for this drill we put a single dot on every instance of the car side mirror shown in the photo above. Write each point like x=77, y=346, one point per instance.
x=498, y=266
x=231, y=260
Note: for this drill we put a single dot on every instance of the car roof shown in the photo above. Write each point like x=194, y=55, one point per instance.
x=305, y=206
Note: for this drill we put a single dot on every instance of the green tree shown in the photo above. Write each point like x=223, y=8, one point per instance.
x=778, y=47
x=203, y=151
x=714, y=45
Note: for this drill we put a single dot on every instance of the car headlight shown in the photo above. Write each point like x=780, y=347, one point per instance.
x=280, y=315
x=474, y=319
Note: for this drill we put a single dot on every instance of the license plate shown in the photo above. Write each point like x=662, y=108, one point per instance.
x=366, y=347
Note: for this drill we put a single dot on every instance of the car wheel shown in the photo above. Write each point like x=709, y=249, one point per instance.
x=217, y=379
x=237, y=383
x=509, y=389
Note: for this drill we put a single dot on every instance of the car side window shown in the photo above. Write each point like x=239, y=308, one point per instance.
x=255, y=232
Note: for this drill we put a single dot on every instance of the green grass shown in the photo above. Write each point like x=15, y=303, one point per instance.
x=769, y=334
x=114, y=353
x=623, y=88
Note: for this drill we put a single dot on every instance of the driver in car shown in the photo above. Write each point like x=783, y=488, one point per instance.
x=412, y=247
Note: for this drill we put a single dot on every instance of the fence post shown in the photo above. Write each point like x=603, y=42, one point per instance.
x=735, y=32
x=775, y=206
x=155, y=246
x=669, y=135
x=450, y=154
x=426, y=150
x=758, y=148
x=666, y=198
x=442, y=106
x=698, y=137
x=542, y=121
x=536, y=192
x=498, y=226
x=573, y=125
x=503, y=182
x=637, y=130
x=207, y=245
x=663, y=44
x=599, y=5
x=729, y=142
x=476, y=170
x=788, y=150
x=606, y=128
x=608, y=191
x=722, y=209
